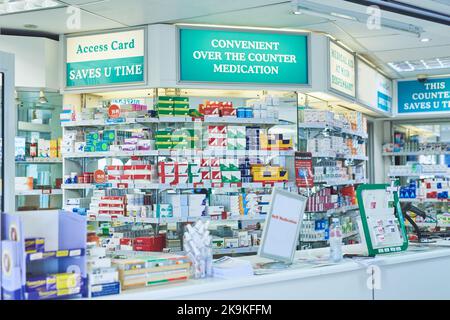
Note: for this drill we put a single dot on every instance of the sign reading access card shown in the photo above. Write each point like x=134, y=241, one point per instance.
x=414, y=96
x=105, y=59
x=243, y=57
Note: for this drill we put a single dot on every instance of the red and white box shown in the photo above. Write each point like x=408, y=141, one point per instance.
x=114, y=170
x=167, y=168
x=217, y=142
x=215, y=163
x=216, y=176
x=168, y=179
x=217, y=130
x=205, y=162
x=206, y=175
x=142, y=177
x=111, y=177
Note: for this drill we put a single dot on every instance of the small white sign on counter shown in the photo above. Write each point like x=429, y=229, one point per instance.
x=282, y=227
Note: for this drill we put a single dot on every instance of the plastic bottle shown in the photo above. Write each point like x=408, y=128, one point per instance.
x=335, y=240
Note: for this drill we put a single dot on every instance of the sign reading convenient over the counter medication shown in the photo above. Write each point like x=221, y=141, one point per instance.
x=243, y=57
x=105, y=59
x=342, y=70
x=431, y=95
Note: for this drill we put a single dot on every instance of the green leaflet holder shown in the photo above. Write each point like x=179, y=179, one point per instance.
x=382, y=219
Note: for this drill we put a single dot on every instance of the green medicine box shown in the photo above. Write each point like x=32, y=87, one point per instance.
x=181, y=99
x=163, y=145
x=109, y=135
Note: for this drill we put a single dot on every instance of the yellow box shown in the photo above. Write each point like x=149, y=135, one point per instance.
x=53, y=148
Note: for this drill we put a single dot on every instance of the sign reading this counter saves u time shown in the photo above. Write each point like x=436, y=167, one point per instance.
x=243, y=57
x=105, y=59
x=432, y=95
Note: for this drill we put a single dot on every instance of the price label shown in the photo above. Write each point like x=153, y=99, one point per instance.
x=99, y=176
x=114, y=111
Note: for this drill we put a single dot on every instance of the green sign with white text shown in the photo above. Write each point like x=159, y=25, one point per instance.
x=105, y=59
x=243, y=57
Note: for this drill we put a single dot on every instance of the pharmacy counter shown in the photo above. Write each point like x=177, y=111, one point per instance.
x=415, y=274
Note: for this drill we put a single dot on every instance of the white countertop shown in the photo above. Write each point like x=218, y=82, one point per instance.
x=302, y=268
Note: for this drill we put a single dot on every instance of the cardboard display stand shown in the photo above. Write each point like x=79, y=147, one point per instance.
x=62, y=252
x=382, y=219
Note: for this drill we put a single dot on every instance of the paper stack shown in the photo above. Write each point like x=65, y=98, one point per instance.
x=231, y=268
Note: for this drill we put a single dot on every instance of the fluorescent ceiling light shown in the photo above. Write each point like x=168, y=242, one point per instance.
x=330, y=12
x=17, y=6
x=420, y=65
x=343, y=16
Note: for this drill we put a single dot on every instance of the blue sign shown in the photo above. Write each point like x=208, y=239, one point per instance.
x=384, y=101
x=432, y=95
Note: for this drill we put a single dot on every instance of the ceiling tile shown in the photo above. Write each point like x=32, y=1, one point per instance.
x=56, y=21
x=138, y=12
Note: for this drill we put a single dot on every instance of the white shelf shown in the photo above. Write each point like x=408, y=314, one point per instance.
x=415, y=153
x=38, y=160
x=339, y=156
x=181, y=153
x=341, y=182
x=419, y=175
x=332, y=126
x=160, y=186
x=38, y=192
x=182, y=119
x=424, y=200
x=165, y=220
x=33, y=127
x=350, y=234
x=336, y=210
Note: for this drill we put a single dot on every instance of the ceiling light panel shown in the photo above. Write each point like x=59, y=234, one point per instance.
x=17, y=6
x=420, y=65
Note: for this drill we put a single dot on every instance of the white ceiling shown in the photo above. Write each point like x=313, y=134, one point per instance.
x=379, y=46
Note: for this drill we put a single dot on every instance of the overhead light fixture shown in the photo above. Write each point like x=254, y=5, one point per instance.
x=297, y=12
x=30, y=26
x=42, y=98
x=331, y=12
x=343, y=16
x=424, y=39
x=18, y=6
x=420, y=65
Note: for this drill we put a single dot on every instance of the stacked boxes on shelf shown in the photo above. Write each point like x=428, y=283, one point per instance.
x=331, y=198
x=419, y=169
x=335, y=145
x=137, y=173
x=264, y=173
x=350, y=120
x=103, y=278
x=152, y=270
x=436, y=188
x=256, y=204
x=335, y=170
x=71, y=113
x=266, y=107
x=170, y=138
x=314, y=230
x=226, y=238
x=217, y=109
x=236, y=138
x=275, y=142
x=215, y=137
x=168, y=106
